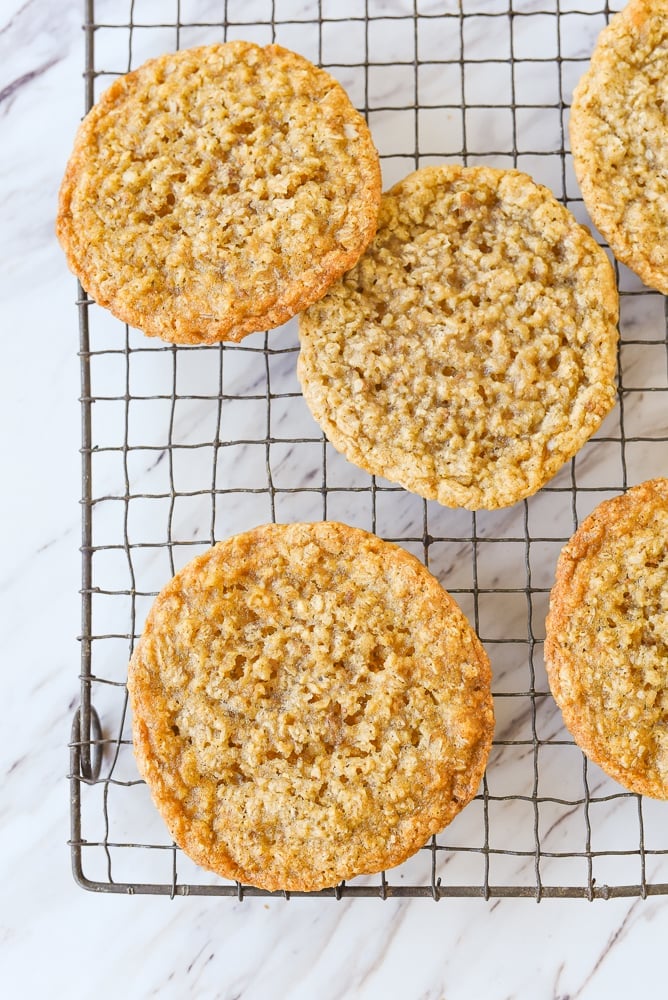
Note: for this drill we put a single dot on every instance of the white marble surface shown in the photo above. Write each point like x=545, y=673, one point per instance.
x=56, y=939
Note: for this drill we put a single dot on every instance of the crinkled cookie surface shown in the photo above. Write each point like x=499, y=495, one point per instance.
x=619, y=137
x=472, y=349
x=217, y=191
x=308, y=704
x=606, y=648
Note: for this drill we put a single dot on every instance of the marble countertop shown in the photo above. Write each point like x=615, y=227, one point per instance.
x=55, y=938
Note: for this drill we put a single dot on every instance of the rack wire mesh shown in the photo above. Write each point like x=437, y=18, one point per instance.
x=184, y=446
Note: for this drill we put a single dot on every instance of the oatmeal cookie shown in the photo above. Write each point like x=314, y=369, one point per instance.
x=218, y=191
x=619, y=137
x=606, y=648
x=308, y=705
x=472, y=349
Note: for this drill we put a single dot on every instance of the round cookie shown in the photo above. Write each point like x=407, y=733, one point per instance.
x=606, y=647
x=472, y=349
x=217, y=191
x=619, y=138
x=308, y=705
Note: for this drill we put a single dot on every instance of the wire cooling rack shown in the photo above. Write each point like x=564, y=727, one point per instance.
x=184, y=446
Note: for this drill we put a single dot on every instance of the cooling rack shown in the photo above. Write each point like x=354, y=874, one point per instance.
x=184, y=446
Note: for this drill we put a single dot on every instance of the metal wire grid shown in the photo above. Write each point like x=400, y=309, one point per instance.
x=437, y=80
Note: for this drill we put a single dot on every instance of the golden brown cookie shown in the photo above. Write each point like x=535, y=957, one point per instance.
x=309, y=704
x=472, y=350
x=619, y=137
x=606, y=649
x=218, y=191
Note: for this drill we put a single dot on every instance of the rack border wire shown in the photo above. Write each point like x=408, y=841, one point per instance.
x=92, y=744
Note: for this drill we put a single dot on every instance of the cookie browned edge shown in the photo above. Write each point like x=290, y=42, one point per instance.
x=306, y=289
x=630, y=20
x=425, y=825
x=565, y=596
